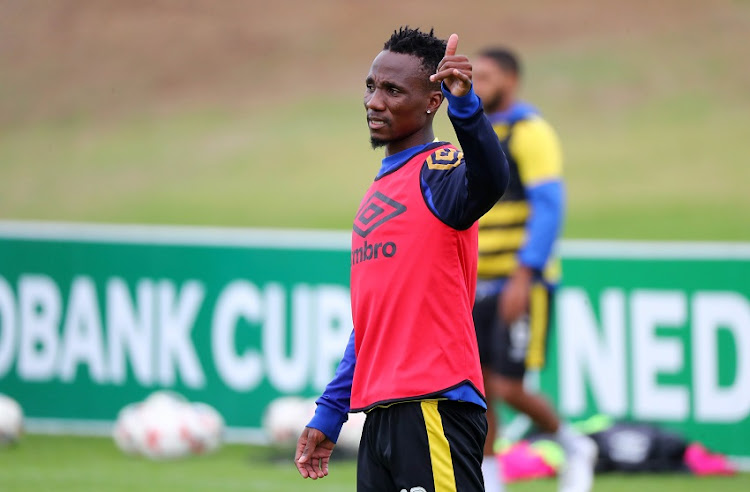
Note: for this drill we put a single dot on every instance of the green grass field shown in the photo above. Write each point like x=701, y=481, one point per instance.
x=85, y=464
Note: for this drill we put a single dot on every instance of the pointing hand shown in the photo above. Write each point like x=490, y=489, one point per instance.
x=454, y=71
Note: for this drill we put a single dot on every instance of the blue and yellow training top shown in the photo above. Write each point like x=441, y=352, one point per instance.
x=524, y=224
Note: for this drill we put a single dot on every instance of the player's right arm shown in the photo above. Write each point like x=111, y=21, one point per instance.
x=315, y=444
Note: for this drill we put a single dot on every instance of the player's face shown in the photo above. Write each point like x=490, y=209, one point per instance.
x=492, y=84
x=397, y=96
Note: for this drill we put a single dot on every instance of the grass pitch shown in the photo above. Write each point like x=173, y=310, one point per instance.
x=91, y=464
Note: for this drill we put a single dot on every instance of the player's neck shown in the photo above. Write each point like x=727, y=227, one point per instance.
x=422, y=136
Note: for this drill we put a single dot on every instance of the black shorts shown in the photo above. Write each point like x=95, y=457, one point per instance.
x=509, y=350
x=430, y=446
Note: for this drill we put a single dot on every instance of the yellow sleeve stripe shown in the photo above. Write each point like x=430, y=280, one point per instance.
x=440, y=450
x=444, y=159
x=505, y=213
x=497, y=265
x=503, y=264
x=499, y=239
x=536, y=150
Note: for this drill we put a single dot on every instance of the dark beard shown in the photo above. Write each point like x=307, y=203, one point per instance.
x=493, y=105
x=377, y=142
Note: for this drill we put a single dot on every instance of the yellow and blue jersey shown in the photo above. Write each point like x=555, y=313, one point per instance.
x=524, y=224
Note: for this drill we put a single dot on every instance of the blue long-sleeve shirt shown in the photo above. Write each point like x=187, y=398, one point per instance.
x=458, y=197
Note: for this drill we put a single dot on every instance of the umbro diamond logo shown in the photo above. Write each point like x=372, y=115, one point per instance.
x=375, y=211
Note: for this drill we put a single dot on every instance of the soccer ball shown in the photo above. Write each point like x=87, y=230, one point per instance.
x=128, y=429
x=207, y=427
x=161, y=436
x=166, y=426
x=11, y=420
x=285, y=417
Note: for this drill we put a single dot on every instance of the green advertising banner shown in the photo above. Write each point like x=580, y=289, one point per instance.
x=94, y=317
x=656, y=333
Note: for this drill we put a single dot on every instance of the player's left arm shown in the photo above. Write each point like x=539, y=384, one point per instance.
x=536, y=148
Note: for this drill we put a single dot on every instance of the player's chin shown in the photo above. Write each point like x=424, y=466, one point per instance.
x=377, y=141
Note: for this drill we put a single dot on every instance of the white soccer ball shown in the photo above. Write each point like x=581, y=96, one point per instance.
x=167, y=426
x=206, y=427
x=164, y=399
x=128, y=429
x=11, y=420
x=164, y=434
x=285, y=417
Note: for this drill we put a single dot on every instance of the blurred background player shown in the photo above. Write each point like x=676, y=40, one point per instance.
x=517, y=272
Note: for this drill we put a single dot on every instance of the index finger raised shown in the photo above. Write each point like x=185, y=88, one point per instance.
x=450, y=48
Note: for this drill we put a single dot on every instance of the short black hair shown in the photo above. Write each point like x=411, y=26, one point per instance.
x=504, y=58
x=424, y=45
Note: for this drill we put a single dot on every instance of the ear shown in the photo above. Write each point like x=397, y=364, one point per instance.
x=436, y=99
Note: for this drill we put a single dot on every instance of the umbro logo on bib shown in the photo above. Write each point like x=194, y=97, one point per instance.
x=376, y=211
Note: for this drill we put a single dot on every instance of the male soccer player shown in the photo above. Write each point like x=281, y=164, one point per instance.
x=516, y=269
x=412, y=361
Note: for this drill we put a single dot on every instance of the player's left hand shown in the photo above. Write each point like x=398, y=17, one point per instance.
x=514, y=299
x=454, y=71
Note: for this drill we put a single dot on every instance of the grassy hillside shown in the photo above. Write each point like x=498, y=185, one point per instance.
x=239, y=114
